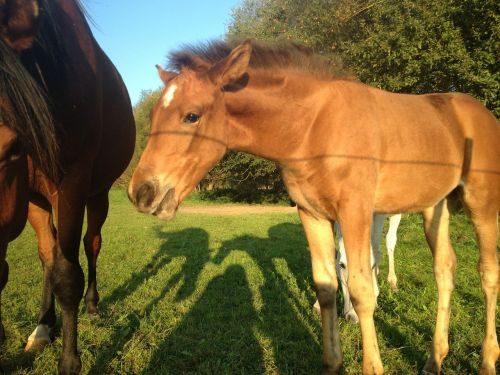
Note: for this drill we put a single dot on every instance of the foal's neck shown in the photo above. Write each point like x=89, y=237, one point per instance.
x=270, y=116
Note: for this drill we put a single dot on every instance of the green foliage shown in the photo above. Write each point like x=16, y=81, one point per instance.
x=245, y=178
x=399, y=45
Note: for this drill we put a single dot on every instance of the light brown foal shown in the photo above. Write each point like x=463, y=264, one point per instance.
x=346, y=151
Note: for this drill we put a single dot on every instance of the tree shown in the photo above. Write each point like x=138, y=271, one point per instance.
x=414, y=46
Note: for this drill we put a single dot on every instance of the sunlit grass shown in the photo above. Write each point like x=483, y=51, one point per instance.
x=233, y=295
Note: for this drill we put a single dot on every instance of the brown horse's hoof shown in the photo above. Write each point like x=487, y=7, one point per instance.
x=70, y=365
x=2, y=335
x=39, y=339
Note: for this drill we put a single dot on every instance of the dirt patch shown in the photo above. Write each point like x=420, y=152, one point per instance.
x=235, y=210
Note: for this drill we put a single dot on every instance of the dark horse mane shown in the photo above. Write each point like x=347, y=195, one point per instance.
x=285, y=55
x=30, y=87
x=24, y=109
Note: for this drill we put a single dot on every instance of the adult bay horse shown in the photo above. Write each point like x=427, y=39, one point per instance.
x=95, y=135
x=346, y=151
x=26, y=127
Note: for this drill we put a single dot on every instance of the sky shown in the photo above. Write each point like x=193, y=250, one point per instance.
x=137, y=37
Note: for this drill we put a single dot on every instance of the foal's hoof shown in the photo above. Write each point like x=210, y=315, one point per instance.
x=487, y=370
x=39, y=339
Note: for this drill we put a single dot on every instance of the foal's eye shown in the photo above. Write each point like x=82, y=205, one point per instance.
x=191, y=118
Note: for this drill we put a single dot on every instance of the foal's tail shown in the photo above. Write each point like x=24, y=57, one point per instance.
x=455, y=197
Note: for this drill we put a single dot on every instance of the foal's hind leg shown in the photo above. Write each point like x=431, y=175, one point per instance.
x=486, y=225
x=40, y=218
x=321, y=243
x=97, y=211
x=436, y=226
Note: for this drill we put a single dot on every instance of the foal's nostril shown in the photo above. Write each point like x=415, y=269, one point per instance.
x=145, y=195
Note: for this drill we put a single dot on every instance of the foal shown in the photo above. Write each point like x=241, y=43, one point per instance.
x=346, y=150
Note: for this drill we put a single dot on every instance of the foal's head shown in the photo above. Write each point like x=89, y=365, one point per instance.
x=188, y=131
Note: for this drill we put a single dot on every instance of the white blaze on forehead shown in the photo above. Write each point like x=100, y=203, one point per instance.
x=169, y=96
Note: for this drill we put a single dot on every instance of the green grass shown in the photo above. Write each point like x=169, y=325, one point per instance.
x=233, y=295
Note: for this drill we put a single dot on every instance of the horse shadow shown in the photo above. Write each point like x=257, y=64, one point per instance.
x=173, y=247
x=229, y=327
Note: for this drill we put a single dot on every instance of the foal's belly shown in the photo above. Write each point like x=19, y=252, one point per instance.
x=412, y=188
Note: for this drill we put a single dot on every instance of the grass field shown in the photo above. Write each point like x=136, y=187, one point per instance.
x=209, y=294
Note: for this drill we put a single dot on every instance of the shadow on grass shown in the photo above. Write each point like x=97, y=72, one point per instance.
x=175, y=245
x=214, y=337
x=221, y=332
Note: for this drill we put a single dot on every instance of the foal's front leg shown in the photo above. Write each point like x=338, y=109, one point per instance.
x=356, y=224
x=321, y=243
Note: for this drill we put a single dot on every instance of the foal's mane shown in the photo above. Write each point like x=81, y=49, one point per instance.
x=285, y=55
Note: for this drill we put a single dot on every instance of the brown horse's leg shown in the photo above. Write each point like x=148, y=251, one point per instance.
x=97, y=211
x=4, y=276
x=321, y=242
x=67, y=275
x=436, y=227
x=486, y=226
x=356, y=225
x=40, y=218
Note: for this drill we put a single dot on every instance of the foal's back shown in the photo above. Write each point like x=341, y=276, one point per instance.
x=423, y=145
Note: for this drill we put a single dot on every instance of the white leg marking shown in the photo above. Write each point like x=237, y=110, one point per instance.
x=39, y=338
x=390, y=241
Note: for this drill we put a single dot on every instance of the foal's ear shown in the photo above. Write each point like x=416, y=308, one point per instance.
x=165, y=75
x=232, y=67
x=19, y=22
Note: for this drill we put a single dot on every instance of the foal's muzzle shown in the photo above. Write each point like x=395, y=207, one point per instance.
x=151, y=199
x=143, y=197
